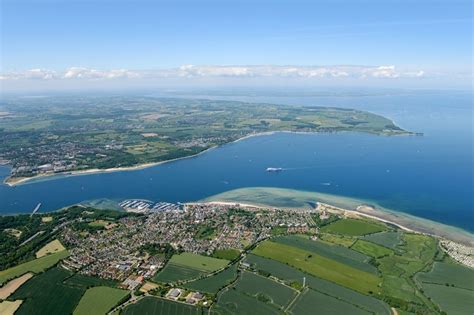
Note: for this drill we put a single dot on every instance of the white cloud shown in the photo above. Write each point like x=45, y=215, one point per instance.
x=192, y=71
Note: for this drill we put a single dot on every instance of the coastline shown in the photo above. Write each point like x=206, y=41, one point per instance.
x=269, y=198
x=374, y=214
x=9, y=181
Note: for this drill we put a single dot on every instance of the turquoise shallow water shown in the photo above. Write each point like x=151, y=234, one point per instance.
x=429, y=176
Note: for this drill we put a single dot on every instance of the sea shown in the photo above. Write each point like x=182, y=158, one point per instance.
x=429, y=176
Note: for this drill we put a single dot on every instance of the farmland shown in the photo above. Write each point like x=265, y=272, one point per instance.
x=447, y=284
x=216, y=282
x=228, y=254
x=9, y=307
x=85, y=282
x=99, y=300
x=153, y=305
x=388, y=239
x=265, y=289
x=50, y=248
x=36, y=266
x=13, y=285
x=187, y=266
x=353, y=227
x=233, y=301
x=294, y=277
x=46, y=294
x=306, y=302
x=371, y=249
x=320, y=266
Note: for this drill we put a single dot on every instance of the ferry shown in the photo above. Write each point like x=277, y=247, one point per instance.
x=274, y=169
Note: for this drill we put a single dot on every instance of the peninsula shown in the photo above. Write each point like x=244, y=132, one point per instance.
x=72, y=135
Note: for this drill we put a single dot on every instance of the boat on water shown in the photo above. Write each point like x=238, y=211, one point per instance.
x=274, y=169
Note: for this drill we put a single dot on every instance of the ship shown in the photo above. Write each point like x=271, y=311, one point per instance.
x=274, y=169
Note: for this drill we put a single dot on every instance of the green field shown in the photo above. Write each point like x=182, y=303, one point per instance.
x=233, y=301
x=227, y=254
x=293, y=276
x=312, y=302
x=447, y=284
x=371, y=249
x=46, y=294
x=187, y=266
x=338, y=253
x=388, y=239
x=214, y=283
x=199, y=261
x=100, y=300
x=153, y=305
x=320, y=266
x=37, y=265
x=86, y=282
x=265, y=289
x=353, y=227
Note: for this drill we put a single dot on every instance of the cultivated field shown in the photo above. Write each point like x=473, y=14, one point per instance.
x=227, y=254
x=447, y=284
x=214, y=283
x=311, y=301
x=338, y=253
x=37, y=265
x=50, y=248
x=295, y=277
x=86, y=282
x=187, y=266
x=46, y=294
x=265, y=290
x=371, y=249
x=320, y=266
x=9, y=307
x=13, y=285
x=153, y=305
x=100, y=300
x=236, y=302
x=353, y=227
x=388, y=239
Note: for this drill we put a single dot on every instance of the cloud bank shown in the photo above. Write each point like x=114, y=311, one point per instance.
x=192, y=71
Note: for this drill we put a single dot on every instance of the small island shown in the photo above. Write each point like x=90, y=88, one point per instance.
x=69, y=135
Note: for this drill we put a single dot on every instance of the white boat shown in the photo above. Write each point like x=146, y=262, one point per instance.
x=274, y=169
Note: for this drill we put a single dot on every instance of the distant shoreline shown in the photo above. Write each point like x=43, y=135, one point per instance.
x=15, y=181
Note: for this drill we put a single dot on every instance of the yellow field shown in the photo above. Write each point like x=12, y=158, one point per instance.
x=14, y=284
x=148, y=287
x=9, y=308
x=50, y=248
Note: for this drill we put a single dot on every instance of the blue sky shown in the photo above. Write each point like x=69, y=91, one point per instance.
x=434, y=37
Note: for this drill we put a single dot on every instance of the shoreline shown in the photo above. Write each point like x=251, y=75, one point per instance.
x=11, y=182
x=402, y=221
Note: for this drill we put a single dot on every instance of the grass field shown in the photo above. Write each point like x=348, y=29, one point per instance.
x=37, y=265
x=292, y=275
x=9, y=307
x=265, y=289
x=371, y=249
x=50, y=248
x=312, y=302
x=233, y=301
x=199, y=262
x=342, y=240
x=214, y=283
x=187, y=266
x=353, y=227
x=338, y=253
x=451, y=274
x=45, y=294
x=388, y=239
x=451, y=300
x=320, y=266
x=152, y=305
x=227, y=254
x=99, y=300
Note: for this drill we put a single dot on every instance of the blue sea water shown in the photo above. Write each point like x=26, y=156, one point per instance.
x=429, y=176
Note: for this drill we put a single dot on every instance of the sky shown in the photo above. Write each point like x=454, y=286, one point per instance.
x=64, y=44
